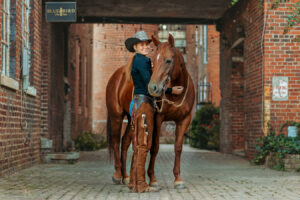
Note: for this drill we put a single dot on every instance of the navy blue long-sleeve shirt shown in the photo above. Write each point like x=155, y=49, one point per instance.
x=141, y=73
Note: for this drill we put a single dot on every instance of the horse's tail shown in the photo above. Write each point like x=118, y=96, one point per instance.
x=109, y=137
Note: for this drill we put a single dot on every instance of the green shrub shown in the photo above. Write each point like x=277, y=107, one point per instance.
x=277, y=144
x=205, y=128
x=87, y=141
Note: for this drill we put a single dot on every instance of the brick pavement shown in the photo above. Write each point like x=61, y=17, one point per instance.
x=208, y=175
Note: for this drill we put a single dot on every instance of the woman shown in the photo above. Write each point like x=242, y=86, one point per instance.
x=139, y=70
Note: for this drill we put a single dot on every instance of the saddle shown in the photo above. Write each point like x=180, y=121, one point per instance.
x=139, y=99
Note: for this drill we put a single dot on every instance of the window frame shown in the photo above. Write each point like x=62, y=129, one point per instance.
x=5, y=40
x=205, y=45
x=25, y=33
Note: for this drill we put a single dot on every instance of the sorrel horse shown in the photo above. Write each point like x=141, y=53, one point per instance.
x=168, y=69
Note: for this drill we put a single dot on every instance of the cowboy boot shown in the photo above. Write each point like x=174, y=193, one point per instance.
x=140, y=168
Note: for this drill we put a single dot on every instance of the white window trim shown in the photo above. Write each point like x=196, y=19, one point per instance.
x=9, y=82
x=26, y=46
x=31, y=91
x=205, y=45
x=5, y=70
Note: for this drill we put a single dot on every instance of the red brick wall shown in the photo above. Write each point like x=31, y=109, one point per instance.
x=196, y=67
x=20, y=113
x=45, y=72
x=253, y=77
x=248, y=16
x=80, y=76
x=213, y=68
x=191, y=57
x=237, y=99
x=109, y=53
x=247, y=106
x=282, y=58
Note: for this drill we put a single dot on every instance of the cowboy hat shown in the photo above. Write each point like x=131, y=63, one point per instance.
x=139, y=36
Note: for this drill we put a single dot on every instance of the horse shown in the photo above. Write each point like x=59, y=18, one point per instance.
x=168, y=69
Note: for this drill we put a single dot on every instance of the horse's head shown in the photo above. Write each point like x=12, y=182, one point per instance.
x=164, y=66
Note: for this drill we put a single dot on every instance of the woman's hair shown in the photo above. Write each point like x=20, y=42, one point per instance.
x=128, y=68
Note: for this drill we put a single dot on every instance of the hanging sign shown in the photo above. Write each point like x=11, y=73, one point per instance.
x=280, y=88
x=61, y=12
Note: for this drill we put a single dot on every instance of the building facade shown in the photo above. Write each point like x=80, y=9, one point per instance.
x=47, y=75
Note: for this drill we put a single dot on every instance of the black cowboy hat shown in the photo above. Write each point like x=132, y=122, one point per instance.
x=139, y=36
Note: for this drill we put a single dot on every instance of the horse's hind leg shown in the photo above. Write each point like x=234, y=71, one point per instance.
x=126, y=140
x=116, y=135
x=181, y=127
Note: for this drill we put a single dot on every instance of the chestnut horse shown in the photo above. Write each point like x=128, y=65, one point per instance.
x=168, y=69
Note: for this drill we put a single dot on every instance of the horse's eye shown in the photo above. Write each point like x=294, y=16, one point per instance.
x=168, y=61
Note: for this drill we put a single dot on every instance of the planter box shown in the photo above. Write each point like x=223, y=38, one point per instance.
x=291, y=162
x=62, y=158
x=46, y=143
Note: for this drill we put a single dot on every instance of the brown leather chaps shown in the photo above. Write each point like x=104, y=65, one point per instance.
x=143, y=118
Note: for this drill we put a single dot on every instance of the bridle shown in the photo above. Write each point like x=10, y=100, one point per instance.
x=164, y=98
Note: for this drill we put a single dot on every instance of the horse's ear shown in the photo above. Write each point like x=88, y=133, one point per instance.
x=155, y=41
x=171, y=40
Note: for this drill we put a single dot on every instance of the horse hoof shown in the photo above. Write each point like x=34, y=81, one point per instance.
x=126, y=181
x=179, y=185
x=116, y=180
x=155, y=185
x=151, y=189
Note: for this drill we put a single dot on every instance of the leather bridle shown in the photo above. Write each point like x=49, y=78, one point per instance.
x=163, y=98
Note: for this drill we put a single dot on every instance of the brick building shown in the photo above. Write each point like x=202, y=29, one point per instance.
x=254, y=51
x=20, y=85
x=46, y=83
x=203, y=60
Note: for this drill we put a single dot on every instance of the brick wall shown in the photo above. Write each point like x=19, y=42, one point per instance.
x=20, y=114
x=241, y=84
x=282, y=58
x=45, y=72
x=213, y=46
x=191, y=56
x=80, y=76
x=195, y=60
x=246, y=82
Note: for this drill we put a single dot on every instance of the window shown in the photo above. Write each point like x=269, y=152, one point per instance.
x=205, y=44
x=179, y=33
x=5, y=37
x=204, y=92
x=25, y=42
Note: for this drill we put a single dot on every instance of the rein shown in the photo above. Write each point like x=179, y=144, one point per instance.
x=164, y=98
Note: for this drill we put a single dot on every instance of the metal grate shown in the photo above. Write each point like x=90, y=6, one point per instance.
x=204, y=93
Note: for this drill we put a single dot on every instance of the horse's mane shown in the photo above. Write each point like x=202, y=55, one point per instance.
x=128, y=68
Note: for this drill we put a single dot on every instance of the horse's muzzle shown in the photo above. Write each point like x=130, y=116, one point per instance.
x=154, y=90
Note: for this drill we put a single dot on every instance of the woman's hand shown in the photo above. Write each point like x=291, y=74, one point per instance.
x=177, y=90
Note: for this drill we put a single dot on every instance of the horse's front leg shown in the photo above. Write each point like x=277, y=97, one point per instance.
x=154, y=150
x=181, y=127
